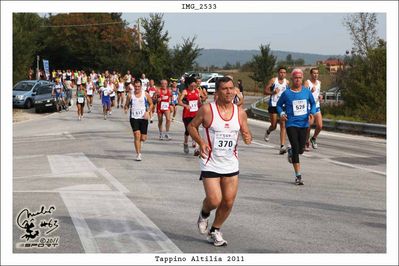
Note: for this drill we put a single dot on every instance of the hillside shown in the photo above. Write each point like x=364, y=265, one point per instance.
x=219, y=57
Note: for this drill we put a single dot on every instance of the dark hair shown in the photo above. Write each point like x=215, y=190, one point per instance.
x=281, y=67
x=222, y=80
x=189, y=80
x=137, y=81
x=313, y=68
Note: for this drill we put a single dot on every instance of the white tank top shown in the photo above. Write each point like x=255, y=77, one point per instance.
x=222, y=137
x=316, y=92
x=121, y=87
x=138, y=106
x=274, y=97
x=89, y=88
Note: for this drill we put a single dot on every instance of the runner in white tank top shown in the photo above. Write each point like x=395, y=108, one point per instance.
x=314, y=86
x=275, y=87
x=222, y=121
x=139, y=103
x=222, y=137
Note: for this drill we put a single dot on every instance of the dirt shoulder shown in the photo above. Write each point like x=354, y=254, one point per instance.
x=19, y=114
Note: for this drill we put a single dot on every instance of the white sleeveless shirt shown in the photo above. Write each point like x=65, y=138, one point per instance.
x=316, y=92
x=222, y=136
x=138, y=106
x=274, y=97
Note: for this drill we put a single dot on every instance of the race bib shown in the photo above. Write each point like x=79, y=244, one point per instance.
x=89, y=91
x=174, y=97
x=81, y=99
x=138, y=113
x=105, y=92
x=224, y=143
x=299, y=107
x=193, y=106
x=164, y=106
x=152, y=93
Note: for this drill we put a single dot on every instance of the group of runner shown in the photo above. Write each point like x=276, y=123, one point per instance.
x=298, y=106
x=222, y=120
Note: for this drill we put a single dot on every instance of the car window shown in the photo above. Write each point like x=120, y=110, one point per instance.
x=23, y=86
x=44, y=89
x=212, y=80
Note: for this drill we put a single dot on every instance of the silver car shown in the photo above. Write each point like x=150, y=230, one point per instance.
x=23, y=92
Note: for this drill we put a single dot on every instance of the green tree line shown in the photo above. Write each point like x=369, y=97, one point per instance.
x=98, y=41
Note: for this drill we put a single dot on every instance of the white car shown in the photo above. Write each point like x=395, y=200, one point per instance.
x=208, y=81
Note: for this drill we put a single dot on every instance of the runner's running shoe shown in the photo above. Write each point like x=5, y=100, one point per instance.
x=217, y=238
x=307, y=146
x=283, y=149
x=202, y=224
x=298, y=180
x=185, y=149
x=267, y=134
x=314, y=143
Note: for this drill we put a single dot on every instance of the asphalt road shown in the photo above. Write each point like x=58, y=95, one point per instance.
x=97, y=199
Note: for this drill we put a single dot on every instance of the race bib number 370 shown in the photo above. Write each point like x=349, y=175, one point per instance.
x=299, y=107
x=224, y=143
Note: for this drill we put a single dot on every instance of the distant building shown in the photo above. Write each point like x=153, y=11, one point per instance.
x=332, y=65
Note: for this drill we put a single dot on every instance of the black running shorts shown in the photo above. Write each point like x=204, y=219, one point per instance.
x=139, y=124
x=209, y=174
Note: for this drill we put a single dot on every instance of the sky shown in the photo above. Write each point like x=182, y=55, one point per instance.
x=319, y=33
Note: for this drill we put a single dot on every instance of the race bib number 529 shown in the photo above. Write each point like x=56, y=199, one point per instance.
x=299, y=107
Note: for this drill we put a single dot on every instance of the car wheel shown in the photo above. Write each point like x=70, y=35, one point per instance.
x=28, y=104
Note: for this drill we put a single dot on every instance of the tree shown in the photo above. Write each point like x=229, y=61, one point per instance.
x=262, y=65
x=88, y=41
x=362, y=28
x=155, y=57
x=184, y=56
x=299, y=62
x=26, y=27
x=364, y=85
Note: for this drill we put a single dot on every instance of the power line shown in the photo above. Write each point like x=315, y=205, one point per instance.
x=81, y=25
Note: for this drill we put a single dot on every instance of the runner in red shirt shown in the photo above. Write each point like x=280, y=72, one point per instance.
x=163, y=108
x=190, y=99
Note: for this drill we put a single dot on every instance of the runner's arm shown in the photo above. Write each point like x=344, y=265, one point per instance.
x=244, y=129
x=180, y=100
x=149, y=101
x=268, y=86
x=126, y=107
x=193, y=126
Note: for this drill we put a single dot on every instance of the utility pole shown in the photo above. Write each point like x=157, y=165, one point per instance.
x=37, y=67
x=139, y=33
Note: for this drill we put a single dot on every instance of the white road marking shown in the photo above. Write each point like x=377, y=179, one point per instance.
x=113, y=180
x=356, y=167
x=44, y=137
x=332, y=161
x=116, y=224
x=264, y=145
x=106, y=220
x=23, y=157
x=61, y=175
x=75, y=163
